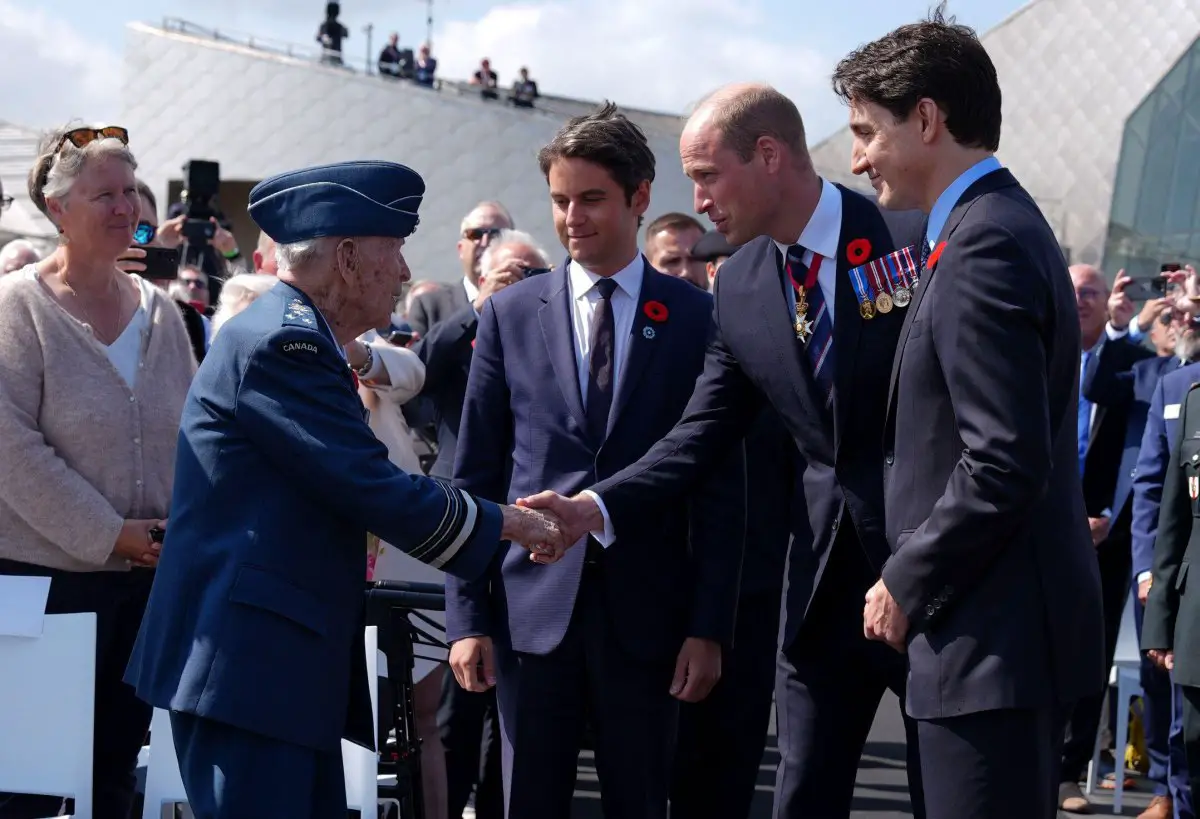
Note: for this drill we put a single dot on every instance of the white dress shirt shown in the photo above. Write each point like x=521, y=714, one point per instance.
x=581, y=284
x=471, y=290
x=822, y=235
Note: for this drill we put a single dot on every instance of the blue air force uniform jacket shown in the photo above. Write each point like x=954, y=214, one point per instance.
x=255, y=618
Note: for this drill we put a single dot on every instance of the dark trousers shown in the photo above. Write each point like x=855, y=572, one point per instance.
x=722, y=739
x=1191, y=734
x=469, y=726
x=229, y=773
x=1115, y=560
x=828, y=686
x=546, y=701
x=121, y=719
x=991, y=765
x=1162, y=720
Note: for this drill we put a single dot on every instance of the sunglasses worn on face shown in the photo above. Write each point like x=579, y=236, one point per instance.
x=144, y=233
x=476, y=234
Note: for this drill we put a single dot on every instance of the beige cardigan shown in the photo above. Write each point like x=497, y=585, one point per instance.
x=79, y=451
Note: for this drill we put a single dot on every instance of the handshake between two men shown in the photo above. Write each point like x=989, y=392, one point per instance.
x=548, y=524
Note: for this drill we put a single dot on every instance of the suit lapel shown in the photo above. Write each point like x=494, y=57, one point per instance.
x=555, y=318
x=641, y=349
x=772, y=311
x=848, y=322
x=993, y=181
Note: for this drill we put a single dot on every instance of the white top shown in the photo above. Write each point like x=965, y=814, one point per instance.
x=822, y=234
x=126, y=352
x=584, y=295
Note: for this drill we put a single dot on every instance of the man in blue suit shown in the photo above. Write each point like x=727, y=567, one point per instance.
x=253, y=633
x=793, y=335
x=576, y=374
x=1164, y=701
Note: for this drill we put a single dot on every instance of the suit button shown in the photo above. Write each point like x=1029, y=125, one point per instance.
x=891, y=459
x=835, y=527
x=930, y=611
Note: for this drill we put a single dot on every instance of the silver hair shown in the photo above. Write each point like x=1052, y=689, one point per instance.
x=496, y=206
x=301, y=254
x=237, y=293
x=54, y=172
x=17, y=254
x=511, y=237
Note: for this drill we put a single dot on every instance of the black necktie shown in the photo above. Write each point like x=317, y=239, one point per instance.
x=601, y=362
x=924, y=246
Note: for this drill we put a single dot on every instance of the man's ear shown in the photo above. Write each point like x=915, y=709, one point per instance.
x=348, y=260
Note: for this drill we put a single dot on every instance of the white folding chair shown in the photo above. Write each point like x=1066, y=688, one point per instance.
x=1126, y=675
x=360, y=766
x=47, y=701
x=164, y=785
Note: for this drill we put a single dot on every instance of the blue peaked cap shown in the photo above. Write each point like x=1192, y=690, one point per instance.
x=352, y=199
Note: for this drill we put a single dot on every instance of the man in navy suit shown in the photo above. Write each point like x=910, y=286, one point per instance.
x=576, y=374
x=992, y=588
x=792, y=333
x=254, y=631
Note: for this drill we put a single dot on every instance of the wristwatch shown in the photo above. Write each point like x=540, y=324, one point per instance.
x=367, y=364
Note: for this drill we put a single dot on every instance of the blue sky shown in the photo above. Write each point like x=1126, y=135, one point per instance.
x=660, y=54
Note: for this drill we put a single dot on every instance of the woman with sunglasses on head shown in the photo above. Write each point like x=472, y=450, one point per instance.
x=94, y=366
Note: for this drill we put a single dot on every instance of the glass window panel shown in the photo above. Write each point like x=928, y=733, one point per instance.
x=1160, y=161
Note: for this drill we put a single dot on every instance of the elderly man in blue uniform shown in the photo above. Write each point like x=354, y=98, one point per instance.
x=253, y=634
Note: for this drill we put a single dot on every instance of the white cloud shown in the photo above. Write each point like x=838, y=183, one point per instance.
x=52, y=71
x=656, y=54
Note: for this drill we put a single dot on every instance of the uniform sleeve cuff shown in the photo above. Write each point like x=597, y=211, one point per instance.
x=606, y=537
x=1113, y=333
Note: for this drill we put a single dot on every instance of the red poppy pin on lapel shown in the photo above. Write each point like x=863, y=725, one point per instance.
x=656, y=311
x=858, y=251
x=935, y=255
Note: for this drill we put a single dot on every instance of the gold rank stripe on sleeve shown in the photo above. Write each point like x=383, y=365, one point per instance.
x=454, y=530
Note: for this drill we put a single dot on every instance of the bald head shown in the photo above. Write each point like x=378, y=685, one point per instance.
x=743, y=113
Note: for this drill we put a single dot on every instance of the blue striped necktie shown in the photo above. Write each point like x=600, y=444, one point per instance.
x=820, y=344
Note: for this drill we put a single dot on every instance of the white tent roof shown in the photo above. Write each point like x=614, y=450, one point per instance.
x=18, y=150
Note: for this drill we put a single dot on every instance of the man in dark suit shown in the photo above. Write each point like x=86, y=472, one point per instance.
x=1171, y=631
x=576, y=374
x=992, y=588
x=254, y=633
x=468, y=721
x=1106, y=407
x=477, y=230
x=792, y=333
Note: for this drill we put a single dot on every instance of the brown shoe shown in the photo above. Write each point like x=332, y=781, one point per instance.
x=1071, y=798
x=1160, y=807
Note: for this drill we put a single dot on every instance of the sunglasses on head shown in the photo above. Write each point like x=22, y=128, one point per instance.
x=82, y=137
x=476, y=234
x=144, y=233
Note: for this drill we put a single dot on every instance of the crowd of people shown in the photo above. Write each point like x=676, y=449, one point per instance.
x=671, y=477
x=400, y=63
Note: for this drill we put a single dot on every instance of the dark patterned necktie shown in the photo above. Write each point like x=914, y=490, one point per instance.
x=601, y=362
x=820, y=344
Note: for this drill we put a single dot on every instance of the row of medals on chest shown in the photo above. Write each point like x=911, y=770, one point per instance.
x=883, y=303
